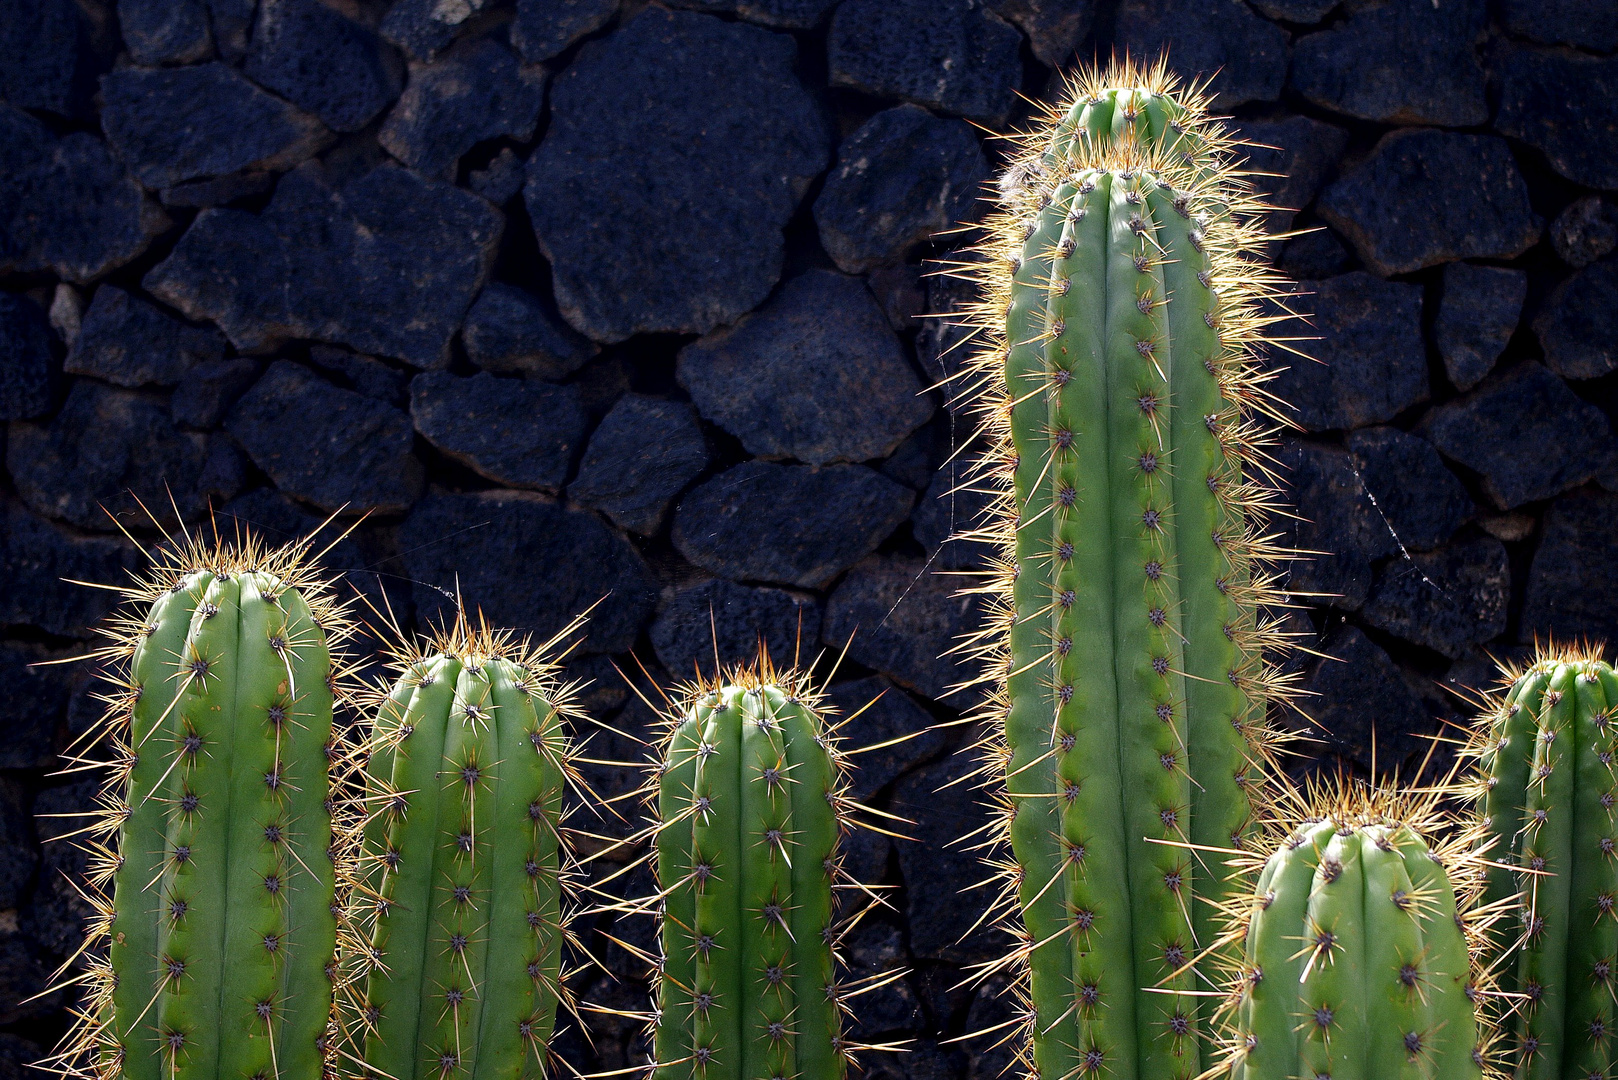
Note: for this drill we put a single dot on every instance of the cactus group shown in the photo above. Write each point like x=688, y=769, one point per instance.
x=1121, y=389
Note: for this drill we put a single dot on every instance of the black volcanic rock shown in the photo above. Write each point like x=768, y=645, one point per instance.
x=902, y=177
x=1586, y=230
x=424, y=28
x=952, y=55
x=365, y=374
x=66, y=204
x=1364, y=707
x=47, y=57
x=1476, y=316
x=516, y=432
x=1578, y=325
x=1420, y=500
x=129, y=341
x=1585, y=24
x=1399, y=62
x=1222, y=38
x=1298, y=155
x=478, y=90
x=512, y=331
x=529, y=564
x=27, y=360
x=544, y=28
x=339, y=263
x=1447, y=600
x=1337, y=526
x=952, y=506
x=815, y=374
x=1566, y=104
x=1055, y=28
x=1524, y=433
x=723, y=618
x=1315, y=255
x=886, y=713
x=1425, y=197
x=208, y=390
x=942, y=802
x=166, y=31
x=177, y=124
x=897, y=616
x=34, y=690
x=331, y=447
x=323, y=62
x=108, y=447
x=707, y=123
x=39, y=561
x=642, y=454
x=1570, y=583
x=1299, y=11
x=792, y=524
x=788, y=14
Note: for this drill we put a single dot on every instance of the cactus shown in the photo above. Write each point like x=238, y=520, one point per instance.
x=213, y=953
x=459, y=925
x=1121, y=390
x=1363, y=947
x=1546, y=792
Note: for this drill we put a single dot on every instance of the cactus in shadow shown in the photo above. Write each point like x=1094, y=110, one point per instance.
x=1119, y=377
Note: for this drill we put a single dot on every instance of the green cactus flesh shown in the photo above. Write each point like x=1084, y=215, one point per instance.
x=1121, y=384
x=745, y=856
x=465, y=856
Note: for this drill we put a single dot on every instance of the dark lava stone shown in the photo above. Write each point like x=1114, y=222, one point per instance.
x=1476, y=317
x=952, y=55
x=903, y=177
x=27, y=359
x=1566, y=104
x=816, y=374
x=218, y=190
x=166, y=31
x=48, y=58
x=953, y=508
x=1420, y=500
x=875, y=950
x=517, y=432
x=57, y=913
x=707, y=124
x=1585, y=231
x=1585, y=24
x=729, y=620
x=334, y=448
x=500, y=181
x=1578, y=325
x=1305, y=12
x=945, y=343
x=1246, y=56
x=365, y=374
x=512, y=331
x=19, y=850
x=1524, y=433
x=323, y=62
x=338, y=262
x=545, y=28
x=875, y=711
x=1337, y=526
x=66, y=204
x=1447, y=600
x=1315, y=255
x=130, y=341
x=1297, y=155
x=1369, y=364
x=642, y=454
x=944, y=805
x=33, y=703
x=177, y=124
x=1055, y=28
x=788, y=523
x=109, y=447
x=1570, y=583
x=1425, y=197
x=423, y=28
x=789, y=14
x=899, y=617
x=208, y=390
x=1363, y=707
x=232, y=24
x=42, y=563
x=27, y=991
x=528, y=564
x=478, y=90
x=1399, y=62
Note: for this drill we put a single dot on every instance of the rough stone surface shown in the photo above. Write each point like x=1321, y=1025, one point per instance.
x=177, y=124
x=365, y=374
x=1585, y=231
x=788, y=14
x=1566, y=104
x=1055, y=28
x=815, y=374
x=476, y=91
x=57, y=911
x=129, y=341
x=331, y=447
x=1477, y=314
x=1573, y=569
x=166, y=31
x=338, y=263
x=1364, y=706
x=642, y=454
x=517, y=432
x=1246, y=56
x=27, y=359
x=424, y=28
x=501, y=180
x=951, y=507
x=1585, y=24
x=1369, y=362
x=1419, y=499
x=1306, y=12
x=886, y=713
x=1447, y=600
x=1315, y=255
x=218, y=190
x=788, y=523
x=545, y=28
x=1578, y=326
x=108, y=447
x=1524, y=433
x=38, y=562
x=513, y=332
x=323, y=62
x=1337, y=524
x=730, y=620
x=208, y=390
x=707, y=123
x=1298, y=154
x=47, y=59
x=1425, y=197
x=66, y=204
x=903, y=177
x=898, y=617
x=529, y=563
x=941, y=801
x=952, y=55
x=1400, y=61
x=34, y=693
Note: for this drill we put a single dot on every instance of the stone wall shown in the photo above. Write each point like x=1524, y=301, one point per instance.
x=590, y=298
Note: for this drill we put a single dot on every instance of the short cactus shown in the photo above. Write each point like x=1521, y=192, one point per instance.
x=1123, y=394
x=214, y=953
x=459, y=923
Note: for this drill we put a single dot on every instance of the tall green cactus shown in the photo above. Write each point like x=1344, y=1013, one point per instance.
x=1121, y=388
x=214, y=953
x=460, y=921
x=1549, y=797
